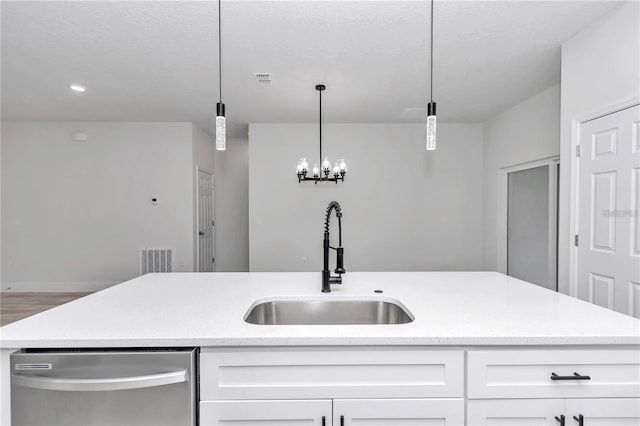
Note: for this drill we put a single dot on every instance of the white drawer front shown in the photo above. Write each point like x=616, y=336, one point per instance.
x=330, y=373
x=266, y=413
x=398, y=412
x=527, y=373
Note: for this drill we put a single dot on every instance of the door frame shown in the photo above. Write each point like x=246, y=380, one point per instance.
x=503, y=207
x=197, y=214
x=574, y=174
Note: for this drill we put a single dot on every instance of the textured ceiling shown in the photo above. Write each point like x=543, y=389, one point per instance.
x=157, y=61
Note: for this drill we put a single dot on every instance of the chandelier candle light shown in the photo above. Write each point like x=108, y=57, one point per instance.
x=221, y=126
x=431, y=106
x=317, y=174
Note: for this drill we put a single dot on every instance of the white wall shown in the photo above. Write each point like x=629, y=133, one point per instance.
x=600, y=72
x=232, y=207
x=75, y=214
x=404, y=208
x=525, y=132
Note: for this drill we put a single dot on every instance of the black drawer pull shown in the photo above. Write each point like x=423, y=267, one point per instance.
x=324, y=421
x=560, y=419
x=579, y=419
x=575, y=376
x=341, y=420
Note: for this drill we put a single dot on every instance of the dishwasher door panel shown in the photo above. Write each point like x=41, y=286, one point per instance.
x=104, y=388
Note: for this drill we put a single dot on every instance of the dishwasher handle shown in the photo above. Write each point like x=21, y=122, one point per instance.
x=112, y=384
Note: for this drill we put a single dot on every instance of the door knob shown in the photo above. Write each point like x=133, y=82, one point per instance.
x=201, y=233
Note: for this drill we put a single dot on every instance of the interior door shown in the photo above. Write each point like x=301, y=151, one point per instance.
x=530, y=207
x=266, y=413
x=516, y=412
x=604, y=412
x=608, y=258
x=205, y=222
x=398, y=412
x=528, y=226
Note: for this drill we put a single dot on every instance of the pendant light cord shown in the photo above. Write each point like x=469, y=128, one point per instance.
x=220, y=46
x=431, y=50
x=320, y=121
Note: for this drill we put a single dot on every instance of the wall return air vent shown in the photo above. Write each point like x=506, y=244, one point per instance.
x=156, y=260
x=263, y=78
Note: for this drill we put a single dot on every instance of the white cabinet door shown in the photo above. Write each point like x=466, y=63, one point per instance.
x=266, y=413
x=516, y=412
x=603, y=412
x=398, y=412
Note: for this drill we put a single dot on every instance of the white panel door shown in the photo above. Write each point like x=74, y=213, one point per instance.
x=398, y=412
x=608, y=272
x=205, y=222
x=516, y=412
x=266, y=413
x=603, y=412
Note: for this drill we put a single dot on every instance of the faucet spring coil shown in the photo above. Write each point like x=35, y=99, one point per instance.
x=332, y=205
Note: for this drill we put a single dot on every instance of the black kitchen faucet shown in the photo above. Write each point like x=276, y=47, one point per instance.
x=327, y=279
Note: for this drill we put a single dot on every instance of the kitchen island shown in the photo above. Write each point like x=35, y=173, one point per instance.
x=472, y=333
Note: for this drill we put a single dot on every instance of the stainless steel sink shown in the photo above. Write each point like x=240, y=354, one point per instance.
x=327, y=312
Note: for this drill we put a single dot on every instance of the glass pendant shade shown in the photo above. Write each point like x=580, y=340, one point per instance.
x=431, y=133
x=221, y=129
x=431, y=126
x=316, y=170
x=326, y=165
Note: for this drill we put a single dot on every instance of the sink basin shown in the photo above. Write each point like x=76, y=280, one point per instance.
x=327, y=312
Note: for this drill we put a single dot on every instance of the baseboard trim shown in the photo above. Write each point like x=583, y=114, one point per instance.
x=54, y=287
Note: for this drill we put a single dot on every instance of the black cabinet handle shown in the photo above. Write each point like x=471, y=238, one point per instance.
x=575, y=376
x=560, y=419
x=341, y=420
x=324, y=421
x=579, y=419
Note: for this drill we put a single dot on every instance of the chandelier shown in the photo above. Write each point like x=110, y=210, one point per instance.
x=326, y=173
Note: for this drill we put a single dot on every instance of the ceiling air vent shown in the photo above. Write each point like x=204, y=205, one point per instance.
x=263, y=78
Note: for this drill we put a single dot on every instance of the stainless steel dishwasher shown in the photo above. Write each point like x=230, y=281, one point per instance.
x=104, y=387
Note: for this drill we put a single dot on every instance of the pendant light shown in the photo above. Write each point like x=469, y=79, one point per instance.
x=431, y=106
x=221, y=125
x=318, y=174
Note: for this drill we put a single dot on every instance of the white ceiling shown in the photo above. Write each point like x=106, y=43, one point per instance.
x=157, y=61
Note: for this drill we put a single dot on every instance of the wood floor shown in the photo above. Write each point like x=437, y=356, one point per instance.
x=15, y=306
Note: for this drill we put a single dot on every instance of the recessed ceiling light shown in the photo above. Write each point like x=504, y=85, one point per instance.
x=77, y=88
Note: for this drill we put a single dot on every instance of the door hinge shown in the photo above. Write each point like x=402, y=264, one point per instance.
x=578, y=151
x=212, y=223
x=213, y=259
x=576, y=240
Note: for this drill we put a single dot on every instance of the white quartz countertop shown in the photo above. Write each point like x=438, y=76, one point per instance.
x=208, y=309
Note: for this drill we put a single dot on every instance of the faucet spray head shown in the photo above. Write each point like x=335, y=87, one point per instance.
x=340, y=261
